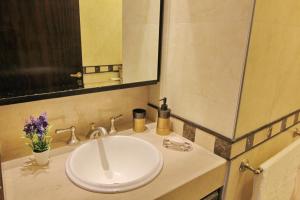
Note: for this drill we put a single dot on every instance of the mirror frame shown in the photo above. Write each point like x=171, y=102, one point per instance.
x=73, y=92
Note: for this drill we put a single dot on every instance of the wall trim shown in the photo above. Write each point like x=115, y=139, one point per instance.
x=102, y=69
x=205, y=129
x=230, y=148
x=262, y=142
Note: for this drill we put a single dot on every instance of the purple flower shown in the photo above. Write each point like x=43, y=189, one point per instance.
x=42, y=120
x=36, y=125
x=29, y=128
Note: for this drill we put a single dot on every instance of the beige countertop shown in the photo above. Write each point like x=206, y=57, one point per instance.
x=189, y=175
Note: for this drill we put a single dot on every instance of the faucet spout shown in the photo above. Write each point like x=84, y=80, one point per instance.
x=98, y=132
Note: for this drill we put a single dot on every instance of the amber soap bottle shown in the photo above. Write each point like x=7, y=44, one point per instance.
x=163, y=121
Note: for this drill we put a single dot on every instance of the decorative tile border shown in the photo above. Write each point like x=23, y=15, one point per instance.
x=257, y=138
x=102, y=69
x=228, y=148
x=249, y=143
x=283, y=124
x=189, y=132
x=222, y=148
x=296, y=118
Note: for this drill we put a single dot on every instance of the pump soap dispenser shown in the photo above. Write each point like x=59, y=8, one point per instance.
x=163, y=121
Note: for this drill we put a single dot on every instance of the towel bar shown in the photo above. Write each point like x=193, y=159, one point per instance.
x=246, y=166
x=296, y=132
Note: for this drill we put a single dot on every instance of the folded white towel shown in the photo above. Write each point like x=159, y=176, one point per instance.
x=278, y=180
x=177, y=143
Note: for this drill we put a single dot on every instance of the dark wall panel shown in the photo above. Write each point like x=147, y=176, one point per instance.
x=39, y=46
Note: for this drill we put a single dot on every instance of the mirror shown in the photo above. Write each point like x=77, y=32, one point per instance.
x=51, y=48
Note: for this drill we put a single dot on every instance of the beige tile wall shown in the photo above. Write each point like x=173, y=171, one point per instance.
x=201, y=73
x=271, y=85
x=101, y=32
x=204, y=50
x=79, y=111
x=140, y=40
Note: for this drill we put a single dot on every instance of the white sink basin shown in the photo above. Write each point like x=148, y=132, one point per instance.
x=114, y=164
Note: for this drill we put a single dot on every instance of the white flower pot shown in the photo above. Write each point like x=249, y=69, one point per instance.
x=42, y=158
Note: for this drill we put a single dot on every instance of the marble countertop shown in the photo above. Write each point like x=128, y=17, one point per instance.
x=181, y=173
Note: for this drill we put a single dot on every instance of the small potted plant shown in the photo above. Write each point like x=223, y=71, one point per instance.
x=37, y=131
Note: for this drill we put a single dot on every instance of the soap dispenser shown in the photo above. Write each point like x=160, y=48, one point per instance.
x=163, y=121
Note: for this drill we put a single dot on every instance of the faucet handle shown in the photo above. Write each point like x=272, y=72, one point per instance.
x=71, y=129
x=117, y=117
x=73, y=139
x=112, y=124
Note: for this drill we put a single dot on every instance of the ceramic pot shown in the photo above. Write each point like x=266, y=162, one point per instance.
x=42, y=158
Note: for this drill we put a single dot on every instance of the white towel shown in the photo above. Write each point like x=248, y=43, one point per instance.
x=278, y=180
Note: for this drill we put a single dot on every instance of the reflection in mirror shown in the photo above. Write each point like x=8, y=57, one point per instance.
x=101, y=40
x=65, y=45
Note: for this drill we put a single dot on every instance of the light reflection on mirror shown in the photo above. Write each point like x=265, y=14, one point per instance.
x=119, y=41
x=68, y=45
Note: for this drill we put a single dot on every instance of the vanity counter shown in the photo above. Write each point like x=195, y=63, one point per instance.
x=185, y=175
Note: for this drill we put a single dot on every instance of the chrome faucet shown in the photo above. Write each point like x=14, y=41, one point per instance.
x=101, y=131
x=73, y=139
x=98, y=132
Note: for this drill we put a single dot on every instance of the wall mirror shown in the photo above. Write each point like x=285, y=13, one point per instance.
x=53, y=48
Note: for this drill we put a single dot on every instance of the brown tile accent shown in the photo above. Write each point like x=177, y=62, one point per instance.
x=270, y=129
x=222, y=148
x=249, y=143
x=296, y=117
x=97, y=69
x=110, y=68
x=189, y=132
x=283, y=124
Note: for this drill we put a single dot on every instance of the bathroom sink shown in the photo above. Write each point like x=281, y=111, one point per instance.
x=114, y=164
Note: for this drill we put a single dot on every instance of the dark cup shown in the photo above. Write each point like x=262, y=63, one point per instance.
x=139, y=113
x=139, y=120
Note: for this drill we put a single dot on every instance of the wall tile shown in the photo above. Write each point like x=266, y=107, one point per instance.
x=177, y=126
x=238, y=147
x=272, y=70
x=249, y=142
x=189, y=132
x=276, y=128
x=216, y=37
x=261, y=136
x=205, y=140
x=283, y=124
x=290, y=121
x=79, y=111
x=222, y=148
x=296, y=118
